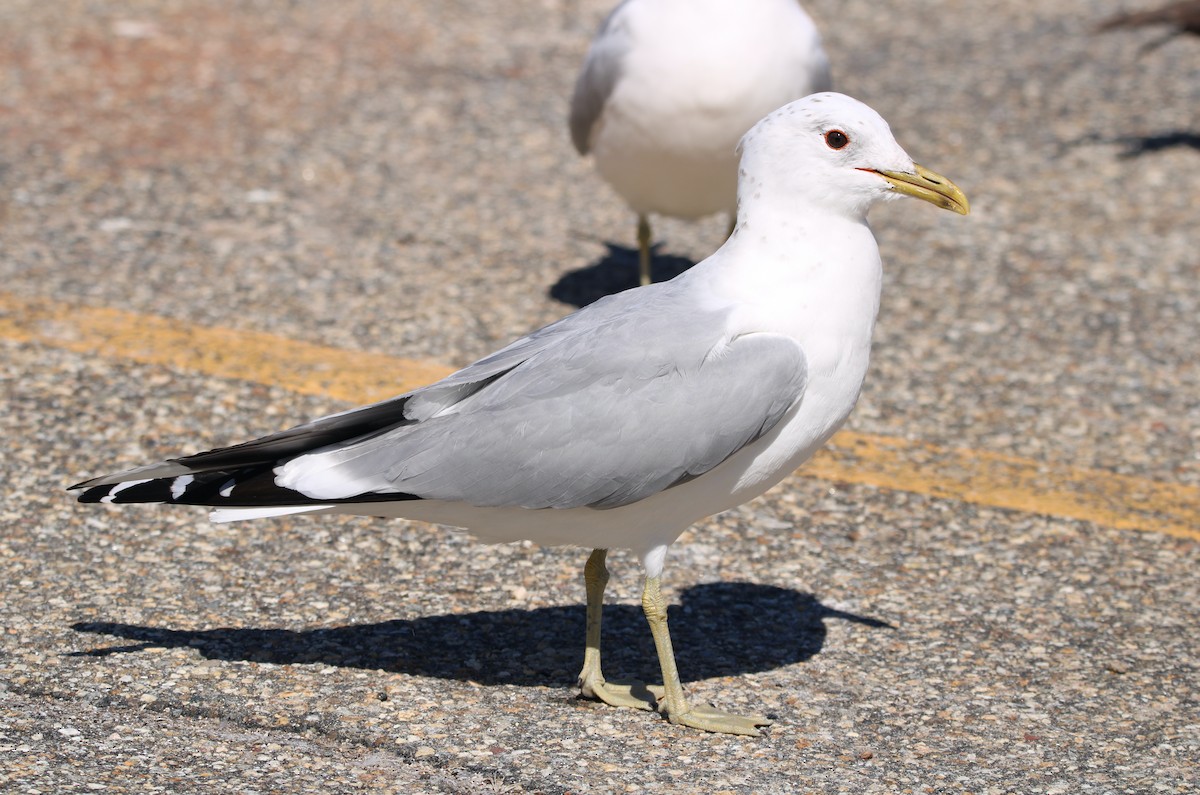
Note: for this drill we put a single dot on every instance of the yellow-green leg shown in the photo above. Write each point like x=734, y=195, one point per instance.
x=674, y=705
x=668, y=699
x=591, y=680
x=643, y=237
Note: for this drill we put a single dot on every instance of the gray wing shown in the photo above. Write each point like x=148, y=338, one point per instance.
x=598, y=77
x=599, y=419
x=621, y=400
x=398, y=412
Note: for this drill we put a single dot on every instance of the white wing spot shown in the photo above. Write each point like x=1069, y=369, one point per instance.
x=120, y=487
x=179, y=485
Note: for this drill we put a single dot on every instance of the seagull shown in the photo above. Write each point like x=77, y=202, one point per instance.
x=1182, y=17
x=624, y=423
x=668, y=87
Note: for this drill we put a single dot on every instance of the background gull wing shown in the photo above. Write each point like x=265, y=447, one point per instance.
x=599, y=75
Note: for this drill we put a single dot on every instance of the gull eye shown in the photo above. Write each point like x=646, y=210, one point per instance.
x=836, y=139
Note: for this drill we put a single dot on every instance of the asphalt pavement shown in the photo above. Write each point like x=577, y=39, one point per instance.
x=200, y=200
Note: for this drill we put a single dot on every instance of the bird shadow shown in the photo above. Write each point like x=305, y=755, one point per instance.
x=719, y=629
x=1138, y=145
x=615, y=272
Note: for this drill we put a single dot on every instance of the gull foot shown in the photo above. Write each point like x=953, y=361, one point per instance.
x=711, y=719
x=637, y=695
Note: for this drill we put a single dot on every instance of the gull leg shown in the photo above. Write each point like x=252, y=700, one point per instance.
x=591, y=680
x=643, y=236
x=675, y=706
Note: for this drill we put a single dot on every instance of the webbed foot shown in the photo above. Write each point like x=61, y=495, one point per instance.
x=711, y=719
x=637, y=695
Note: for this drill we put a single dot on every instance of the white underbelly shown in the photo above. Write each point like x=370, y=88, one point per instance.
x=666, y=178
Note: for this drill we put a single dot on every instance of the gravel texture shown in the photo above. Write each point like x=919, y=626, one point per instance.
x=396, y=176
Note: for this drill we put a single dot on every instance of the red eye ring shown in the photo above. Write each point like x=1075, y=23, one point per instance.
x=836, y=139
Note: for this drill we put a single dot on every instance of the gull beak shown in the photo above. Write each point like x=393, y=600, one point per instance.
x=928, y=185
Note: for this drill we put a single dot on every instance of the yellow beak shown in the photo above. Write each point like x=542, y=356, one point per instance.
x=927, y=185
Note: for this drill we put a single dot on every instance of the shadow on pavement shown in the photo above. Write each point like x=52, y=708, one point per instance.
x=721, y=629
x=615, y=272
x=1139, y=145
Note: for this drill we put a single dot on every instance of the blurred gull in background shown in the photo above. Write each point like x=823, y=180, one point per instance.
x=668, y=88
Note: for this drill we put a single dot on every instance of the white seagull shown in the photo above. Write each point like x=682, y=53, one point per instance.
x=622, y=424
x=668, y=88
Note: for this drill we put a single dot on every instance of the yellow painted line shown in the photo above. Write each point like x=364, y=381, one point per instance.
x=1005, y=481
x=972, y=476
x=229, y=353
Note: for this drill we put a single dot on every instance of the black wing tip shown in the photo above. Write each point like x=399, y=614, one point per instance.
x=253, y=488
x=146, y=491
x=90, y=483
x=91, y=495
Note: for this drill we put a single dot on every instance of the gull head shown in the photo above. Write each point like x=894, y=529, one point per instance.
x=831, y=151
